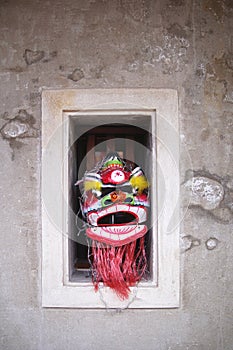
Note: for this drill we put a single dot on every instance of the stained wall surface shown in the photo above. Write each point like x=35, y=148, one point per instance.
x=186, y=45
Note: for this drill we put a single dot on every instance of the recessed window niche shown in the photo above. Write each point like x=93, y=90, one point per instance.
x=92, y=135
x=79, y=128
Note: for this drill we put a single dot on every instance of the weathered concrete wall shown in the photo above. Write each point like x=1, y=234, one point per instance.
x=186, y=45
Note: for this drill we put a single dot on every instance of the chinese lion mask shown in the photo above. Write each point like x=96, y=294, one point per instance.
x=115, y=205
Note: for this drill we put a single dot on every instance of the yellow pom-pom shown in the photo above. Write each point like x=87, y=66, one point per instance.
x=139, y=182
x=92, y=185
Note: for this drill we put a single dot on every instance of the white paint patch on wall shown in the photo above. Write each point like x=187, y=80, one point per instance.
x=205, y=192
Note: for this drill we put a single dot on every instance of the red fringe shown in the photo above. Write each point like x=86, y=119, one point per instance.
x=118, y=267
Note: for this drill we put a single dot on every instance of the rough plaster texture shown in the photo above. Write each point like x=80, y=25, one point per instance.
x=186, y=45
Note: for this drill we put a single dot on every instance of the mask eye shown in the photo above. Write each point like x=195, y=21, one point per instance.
x=97, y=193
x=107, y=202
x=128, y=200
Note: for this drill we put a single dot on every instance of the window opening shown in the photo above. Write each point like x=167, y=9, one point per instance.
x=133, y=144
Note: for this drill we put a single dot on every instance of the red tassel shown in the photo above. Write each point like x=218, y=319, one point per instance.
x=118, y=267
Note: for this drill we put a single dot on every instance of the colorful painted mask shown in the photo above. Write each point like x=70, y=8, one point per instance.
x=114, y=205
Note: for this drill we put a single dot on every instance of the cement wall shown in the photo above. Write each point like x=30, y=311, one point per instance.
x=185, y=45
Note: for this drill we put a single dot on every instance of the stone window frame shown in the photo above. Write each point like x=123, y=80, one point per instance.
x=57, y=290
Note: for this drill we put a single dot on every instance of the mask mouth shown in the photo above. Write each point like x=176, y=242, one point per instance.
x=116, y=219
x=116, y=235
x=118, y=224
x=118, y=214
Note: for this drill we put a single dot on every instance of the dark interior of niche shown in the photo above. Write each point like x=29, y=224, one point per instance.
x=103, y=139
